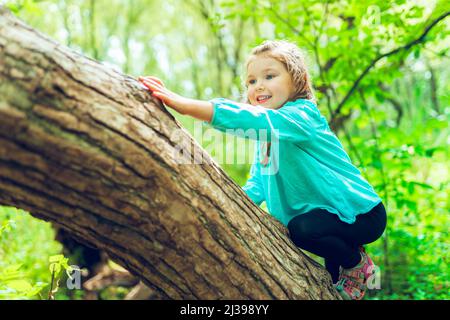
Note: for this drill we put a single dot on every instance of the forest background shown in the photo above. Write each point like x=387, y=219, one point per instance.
x=380, y=71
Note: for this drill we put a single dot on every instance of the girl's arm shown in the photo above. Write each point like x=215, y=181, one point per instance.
x=295, y=121
x=253, y=187
x=199, y=109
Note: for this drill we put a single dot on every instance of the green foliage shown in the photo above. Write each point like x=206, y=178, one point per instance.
x=24, y=242
x=398, y=128
x=15, y=285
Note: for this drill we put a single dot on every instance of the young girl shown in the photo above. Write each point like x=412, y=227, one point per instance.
x=327, y=206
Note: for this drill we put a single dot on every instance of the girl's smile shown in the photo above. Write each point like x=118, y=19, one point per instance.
x=268, y=83
x=263, y=99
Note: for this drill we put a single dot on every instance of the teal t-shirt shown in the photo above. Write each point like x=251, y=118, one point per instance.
x=307, y=168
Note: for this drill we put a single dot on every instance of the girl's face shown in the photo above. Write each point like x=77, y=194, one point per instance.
x=268, y=82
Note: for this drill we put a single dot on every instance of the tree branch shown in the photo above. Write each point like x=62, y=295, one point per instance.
x=392, y=52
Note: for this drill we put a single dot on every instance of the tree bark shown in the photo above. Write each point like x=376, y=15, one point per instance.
x=87, y=148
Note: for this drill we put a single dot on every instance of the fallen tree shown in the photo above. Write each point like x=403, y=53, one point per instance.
x=85, y=147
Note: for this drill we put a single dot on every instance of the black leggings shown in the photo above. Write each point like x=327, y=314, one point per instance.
x=324, y=234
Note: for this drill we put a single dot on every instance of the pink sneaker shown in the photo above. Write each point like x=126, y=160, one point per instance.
x=352, y=284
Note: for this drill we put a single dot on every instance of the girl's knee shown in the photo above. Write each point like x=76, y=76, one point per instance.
x=301, y=231
x=300, y=241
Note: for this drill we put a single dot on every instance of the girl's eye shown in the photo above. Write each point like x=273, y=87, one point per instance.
x=251, y=82
x=269, y=76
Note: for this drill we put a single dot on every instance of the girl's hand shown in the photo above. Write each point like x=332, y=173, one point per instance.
x=169, y=98
x=202, y=110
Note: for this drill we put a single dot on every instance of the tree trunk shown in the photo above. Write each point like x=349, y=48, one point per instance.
x=87, y=148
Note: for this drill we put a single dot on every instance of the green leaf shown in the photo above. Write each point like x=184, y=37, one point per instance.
x=377, y=164
x=429, y=152
x=410, y=188
x=55, y=268
x=19, y=285
x=56, y=258
x=423, y=185
x=379, y=96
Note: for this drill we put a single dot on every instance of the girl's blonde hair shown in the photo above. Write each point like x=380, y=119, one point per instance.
x=292, y=58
